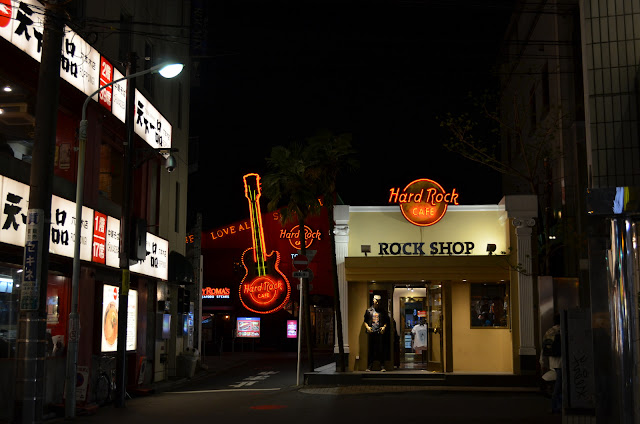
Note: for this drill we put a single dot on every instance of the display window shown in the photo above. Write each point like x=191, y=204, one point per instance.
x=489, y=305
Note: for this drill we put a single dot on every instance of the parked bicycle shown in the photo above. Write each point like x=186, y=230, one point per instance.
x=106, y=382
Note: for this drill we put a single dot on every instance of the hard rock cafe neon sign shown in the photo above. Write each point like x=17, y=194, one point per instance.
x=293, y=236
x=423, y=202
x=264, y=288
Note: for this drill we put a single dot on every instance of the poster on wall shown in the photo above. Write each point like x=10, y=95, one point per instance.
x=292, y=329
x=249, y=327
x=110, y=302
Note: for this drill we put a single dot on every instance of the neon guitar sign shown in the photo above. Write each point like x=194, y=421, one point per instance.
x=264, y=289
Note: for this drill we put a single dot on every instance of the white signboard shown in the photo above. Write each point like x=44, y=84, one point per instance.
x=14, y=205
x=63, y=229
x=119, y=96
x=25, y=27
x=109, y=321
x=112, y=242
x=150, y=124
x=156, y=263
x=79, y=63
x=22, y=23
x=13, y=211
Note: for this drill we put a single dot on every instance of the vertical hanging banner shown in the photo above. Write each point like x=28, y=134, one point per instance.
x=30, y=293
x=99, y=237
x=106, y=77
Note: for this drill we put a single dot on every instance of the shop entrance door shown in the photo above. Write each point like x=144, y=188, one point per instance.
x=413, y=336
x=419, y=317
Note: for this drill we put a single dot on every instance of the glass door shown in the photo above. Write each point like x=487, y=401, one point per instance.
x=435, y=328
x=412, y=320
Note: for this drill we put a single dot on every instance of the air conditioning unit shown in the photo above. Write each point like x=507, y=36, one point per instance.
x=16, y=114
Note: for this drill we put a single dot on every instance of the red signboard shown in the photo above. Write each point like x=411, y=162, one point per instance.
x=423, y=202
x=99, y=237
x=106, y=77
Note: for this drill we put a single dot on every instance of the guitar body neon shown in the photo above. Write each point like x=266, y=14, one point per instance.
x=264, y=289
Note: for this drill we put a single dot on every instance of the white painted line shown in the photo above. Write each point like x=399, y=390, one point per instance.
x=225, y=390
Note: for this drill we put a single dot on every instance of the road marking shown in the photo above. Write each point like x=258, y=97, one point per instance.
x=225, y=390
x=242, y=383
x=251, y=380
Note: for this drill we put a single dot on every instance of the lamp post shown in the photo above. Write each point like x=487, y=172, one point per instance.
x=167, y=70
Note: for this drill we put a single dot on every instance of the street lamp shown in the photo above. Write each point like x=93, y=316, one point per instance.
x=167, y=70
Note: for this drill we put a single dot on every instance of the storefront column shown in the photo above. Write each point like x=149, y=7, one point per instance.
x=524, y=228
x=341, y=232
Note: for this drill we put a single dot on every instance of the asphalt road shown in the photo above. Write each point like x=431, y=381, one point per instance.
x=263, y=390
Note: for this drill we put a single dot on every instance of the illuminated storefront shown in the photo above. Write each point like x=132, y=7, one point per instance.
x=454, y=293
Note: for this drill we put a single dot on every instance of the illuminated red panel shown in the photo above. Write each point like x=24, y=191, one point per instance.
x=99, y=237
x=106, y=77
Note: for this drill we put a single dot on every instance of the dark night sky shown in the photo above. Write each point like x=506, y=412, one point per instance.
x=381, y=70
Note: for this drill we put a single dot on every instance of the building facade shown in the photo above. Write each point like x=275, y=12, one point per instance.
x=573, y=65
x=457, y=293
x=91, y=58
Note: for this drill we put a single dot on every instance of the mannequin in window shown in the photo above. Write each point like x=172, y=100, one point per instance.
x=376, y=321
x=419, y=332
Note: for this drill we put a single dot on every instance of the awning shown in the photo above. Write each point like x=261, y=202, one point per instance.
x=180, y=269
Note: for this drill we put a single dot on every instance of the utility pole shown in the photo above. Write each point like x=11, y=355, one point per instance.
x=31, y=345
x=125, y=237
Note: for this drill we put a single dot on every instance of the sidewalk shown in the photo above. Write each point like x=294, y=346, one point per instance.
x=326, y=377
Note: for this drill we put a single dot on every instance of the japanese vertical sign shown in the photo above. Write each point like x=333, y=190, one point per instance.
x=150, y=125
x=30, y=293
x=106, y=77
x=112, y=242
x=119, y=98
x=99, y=237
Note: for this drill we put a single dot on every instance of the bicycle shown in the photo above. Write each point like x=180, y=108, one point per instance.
x=106, y=382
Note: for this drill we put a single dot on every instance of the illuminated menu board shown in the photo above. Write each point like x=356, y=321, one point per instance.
x=110, y=303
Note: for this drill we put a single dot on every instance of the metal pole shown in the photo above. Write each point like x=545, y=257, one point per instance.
x=31, y=343
x=74, y=329
x=299, y=335
x=74, y=333
x=125, y=238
